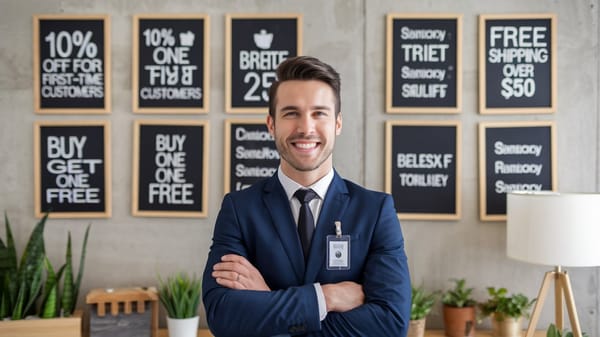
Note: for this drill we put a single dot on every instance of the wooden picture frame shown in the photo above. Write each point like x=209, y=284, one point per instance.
x=255, y=156
x=72, y=169
x=518, y=164
x=252, y=97
x=165, y=173
x=518, y=66
x=423, y=75
x=423, y=162
x=175, y=48
x=71, y=64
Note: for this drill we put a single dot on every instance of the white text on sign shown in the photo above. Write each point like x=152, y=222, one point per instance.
x=170, y=186
x=66, y=161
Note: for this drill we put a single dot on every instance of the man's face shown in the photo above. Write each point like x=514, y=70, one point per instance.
x=305, y=126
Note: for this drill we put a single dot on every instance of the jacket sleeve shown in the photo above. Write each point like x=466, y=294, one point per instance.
x=386, y=284
x=237, y=313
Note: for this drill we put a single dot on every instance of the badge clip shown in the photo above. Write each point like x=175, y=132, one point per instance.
x=338, y=229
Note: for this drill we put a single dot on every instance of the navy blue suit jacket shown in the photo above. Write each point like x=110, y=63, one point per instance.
x=257, y=223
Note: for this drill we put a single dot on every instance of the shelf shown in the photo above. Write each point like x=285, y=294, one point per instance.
x=440, y=333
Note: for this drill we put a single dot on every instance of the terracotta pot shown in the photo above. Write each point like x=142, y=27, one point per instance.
x=506, y=326
x=459, y=322
x=416, y=328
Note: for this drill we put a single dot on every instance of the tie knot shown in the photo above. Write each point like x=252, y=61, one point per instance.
x=305, y=196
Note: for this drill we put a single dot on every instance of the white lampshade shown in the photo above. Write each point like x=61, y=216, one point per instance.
x=556, y=229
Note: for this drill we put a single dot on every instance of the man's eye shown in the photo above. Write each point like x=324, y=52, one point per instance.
x=290, y=114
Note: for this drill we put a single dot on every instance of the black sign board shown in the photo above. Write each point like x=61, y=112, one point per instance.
x=250, y=153
x=170, y=167
x=517, y=63
x=514, y=156
x=170, y=63
x=72, y=169
x=71, y=63
x=255, y=46
x=424, y=63
x=423, y=169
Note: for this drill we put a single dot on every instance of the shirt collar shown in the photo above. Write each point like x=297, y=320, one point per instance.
x=290, y=186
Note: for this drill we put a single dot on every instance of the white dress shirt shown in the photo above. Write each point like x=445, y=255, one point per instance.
x=320, y=187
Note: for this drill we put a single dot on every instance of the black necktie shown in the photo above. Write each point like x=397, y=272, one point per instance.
x=306, y=222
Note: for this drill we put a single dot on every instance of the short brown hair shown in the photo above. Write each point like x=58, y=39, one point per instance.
x=305, y=68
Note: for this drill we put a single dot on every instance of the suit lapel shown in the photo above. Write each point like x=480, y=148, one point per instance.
x=333, y=208
x=281, y=218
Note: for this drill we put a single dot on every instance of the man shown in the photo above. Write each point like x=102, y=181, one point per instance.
x=346, y=276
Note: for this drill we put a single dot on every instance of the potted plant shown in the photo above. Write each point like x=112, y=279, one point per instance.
x=27, y=292
x=180, y=296
x=506, y=312
x=459, y=310
x=554, y=332
x=421, y=304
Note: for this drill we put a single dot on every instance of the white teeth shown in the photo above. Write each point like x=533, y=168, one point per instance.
x=306, y=145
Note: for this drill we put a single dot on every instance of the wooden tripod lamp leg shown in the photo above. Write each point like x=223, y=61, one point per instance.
x=539, y=304
x=558, y=300
x=570, y=301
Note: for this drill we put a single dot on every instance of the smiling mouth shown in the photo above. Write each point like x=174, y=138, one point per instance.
x=305, y=145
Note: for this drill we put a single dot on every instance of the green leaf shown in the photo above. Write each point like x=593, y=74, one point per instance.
x=49, y=307
x=67, y=302
x=34, y=288
x=8, y=253
x=81, y=267
x=18, y=308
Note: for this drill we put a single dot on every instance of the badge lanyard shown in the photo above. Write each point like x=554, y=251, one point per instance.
x=338, y=249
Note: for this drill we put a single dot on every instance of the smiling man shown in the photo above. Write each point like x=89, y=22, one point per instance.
x=306, y=252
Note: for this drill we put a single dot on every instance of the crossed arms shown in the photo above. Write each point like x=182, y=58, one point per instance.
x=244, y=298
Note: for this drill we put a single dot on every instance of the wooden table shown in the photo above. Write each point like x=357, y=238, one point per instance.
x=201, y=333
x=440, y=333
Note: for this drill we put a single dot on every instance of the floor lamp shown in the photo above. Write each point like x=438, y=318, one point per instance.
x=555, y=229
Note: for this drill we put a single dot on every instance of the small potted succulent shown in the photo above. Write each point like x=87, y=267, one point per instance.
x=507, y=312
x=421, y=305
x=459, y=310
x=180, y=296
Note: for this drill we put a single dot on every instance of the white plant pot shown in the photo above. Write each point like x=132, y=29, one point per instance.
x=183, y=327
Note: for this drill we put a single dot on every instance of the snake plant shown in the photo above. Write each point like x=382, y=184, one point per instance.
x=23, y=285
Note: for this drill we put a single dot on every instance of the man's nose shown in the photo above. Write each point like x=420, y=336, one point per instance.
x=305, y=124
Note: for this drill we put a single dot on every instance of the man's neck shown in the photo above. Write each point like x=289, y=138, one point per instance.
x=306, y=178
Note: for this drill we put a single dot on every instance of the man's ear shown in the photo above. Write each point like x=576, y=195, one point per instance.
x=271, y=125
x=338, y=124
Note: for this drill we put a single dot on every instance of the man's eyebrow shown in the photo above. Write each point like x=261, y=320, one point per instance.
x=289, y=108
x=314, y=107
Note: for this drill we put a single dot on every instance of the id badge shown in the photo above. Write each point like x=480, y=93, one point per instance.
x=338, y=252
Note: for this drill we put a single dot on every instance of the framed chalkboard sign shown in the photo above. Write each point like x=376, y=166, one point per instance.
x=72, y=169
x=250, y=153
x=170, y=63
x=71, y=64
x=424, y=63
x=514, y=156
x=422, y=168
x=170, y=168
x=517, y=63
x=255, y=46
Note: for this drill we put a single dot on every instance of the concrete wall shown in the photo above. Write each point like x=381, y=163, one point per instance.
x=350, y=34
